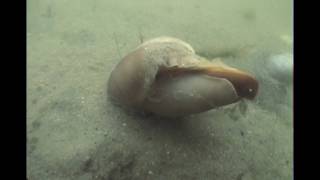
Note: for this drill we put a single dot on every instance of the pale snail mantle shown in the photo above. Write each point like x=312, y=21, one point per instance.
x=166, y=77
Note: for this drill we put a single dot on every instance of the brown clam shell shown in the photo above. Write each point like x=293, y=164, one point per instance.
x=165, y=76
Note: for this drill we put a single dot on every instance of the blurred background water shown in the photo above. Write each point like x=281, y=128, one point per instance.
x=73, y=132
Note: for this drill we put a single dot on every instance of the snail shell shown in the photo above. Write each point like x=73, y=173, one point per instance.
x=165, y=76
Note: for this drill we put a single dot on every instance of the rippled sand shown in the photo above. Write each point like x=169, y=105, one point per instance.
x=75, y=133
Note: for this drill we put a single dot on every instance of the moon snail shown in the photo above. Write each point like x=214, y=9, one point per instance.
x=166, y=77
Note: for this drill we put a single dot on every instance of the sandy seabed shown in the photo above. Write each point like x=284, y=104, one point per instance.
x=74, y=132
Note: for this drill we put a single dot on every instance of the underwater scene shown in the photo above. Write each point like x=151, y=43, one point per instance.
x=160, y=90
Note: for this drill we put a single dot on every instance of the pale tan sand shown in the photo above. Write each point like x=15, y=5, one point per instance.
x=75, y=133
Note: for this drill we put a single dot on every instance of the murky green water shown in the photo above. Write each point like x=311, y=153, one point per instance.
x=75, y=133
